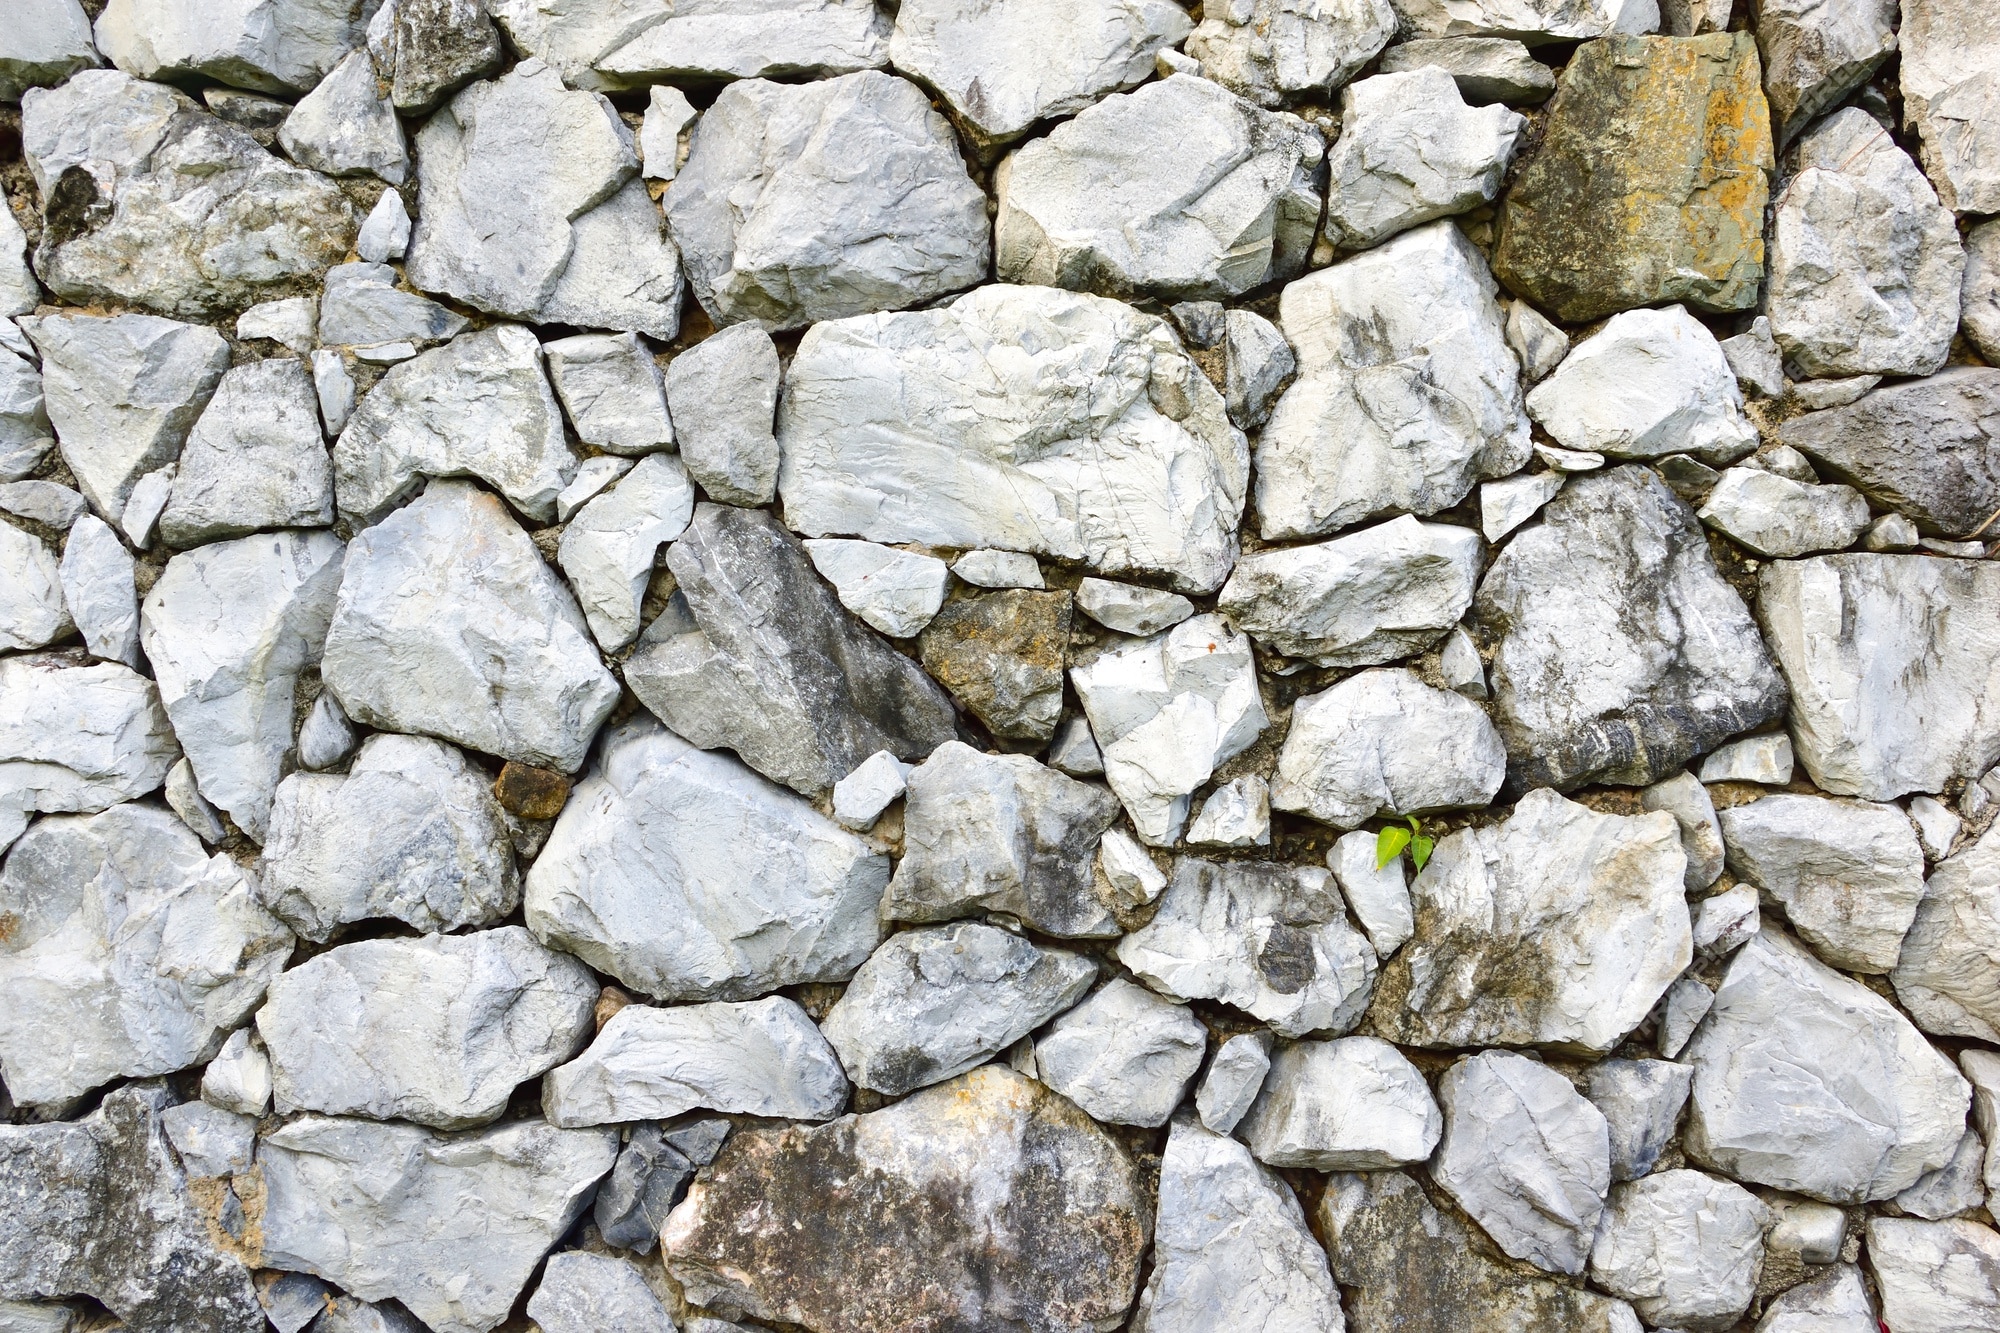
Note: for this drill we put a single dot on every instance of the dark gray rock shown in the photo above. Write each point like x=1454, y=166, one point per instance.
x=649, y=1179
x=429, y=48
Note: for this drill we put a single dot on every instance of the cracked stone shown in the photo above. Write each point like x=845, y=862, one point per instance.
x=1815, y=55
x=1355, y=1104
x=77, y=739
x=361, y=307
x=1411, y=151
x=1486, y=69
x=713, y=40
x=286, y=47
x=32, y=611
x=895, y=591
x=583, y=1293
x=613, y=392
x=254, y=460
x=608, y=550
x=1685, y=1248
x=1941, y=1275
x=1278, y=51
x=1949, y=75
x=1641, y=1101
x=1944, y=975
x=347, y=126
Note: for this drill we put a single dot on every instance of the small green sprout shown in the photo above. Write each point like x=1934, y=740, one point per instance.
x=1391, y=841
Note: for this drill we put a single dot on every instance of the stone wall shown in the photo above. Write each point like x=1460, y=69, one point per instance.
x=999, y=666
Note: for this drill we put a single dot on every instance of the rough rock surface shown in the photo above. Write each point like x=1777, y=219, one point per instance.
x=1002, y=655
x=1278, y=51
x=77, y=739
x=1355, y=1104
x=612, y=391
x=610, y=546
x=582, y=1293
x=49, y=40
x=279, y=48
x=895, y=591
x=1776, y=516
x=1683, y=1247
x=1486, y=69
x=33, y=613
x=1949, y=54
x=724, y=394
x=1944, y=975
x=1411, y=151
x=1124, y=1055
x=728, y=39
x=1642, y=1102
x=1816, y=54
x=254, y=460
x=100, y=591
x=1942, y=1275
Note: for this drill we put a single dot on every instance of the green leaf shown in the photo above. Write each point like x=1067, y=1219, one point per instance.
x=1420, y=851
x=1389, y=845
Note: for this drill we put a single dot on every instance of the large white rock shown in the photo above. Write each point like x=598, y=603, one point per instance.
x=32, y=611
x=1781, y=517
x=1558, y=926
x=1526, y=1156
x=1806, y=1080
x=1848, y=874
x=77, y=739
x=1950, y=80
x=228, y=630
x=609, y=547
x=775, y=224
x=1002, y=65
x=1865, y=264
x=582, y=1292
x=254, y=460
x=1231, y=1249
x=478, y=406
x=1532, y=21
x=1835, y=1303
x=1647, y=384
x=1935, y=1275
x=1385, y=592
x=123, y=392
x=1945, y=976
x=1683, y=1247
x=1124, y=1055
x=46, y=41
x=1407, y=391
x=449, y=624
x=724, y=395
x=688, y=877
x=1181, y=189
x=1020, y=418
x=451, y=1225
x=100, y=592
x=411, y=831
x=761, y=1058
x=1355, y=1104
x=1165, y=712
x=271, y=46
x=1411, y=151
x=1270, y=939
x=1383, y=742
x=1894, y=668
x=439, y=1030
x=133, y=952
x=709, y=40
x=1278, y=51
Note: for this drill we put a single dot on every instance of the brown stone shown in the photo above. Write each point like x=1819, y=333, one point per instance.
x=987, y=1202
x=1650, y=183
x=530, y=792
x=1002, y=656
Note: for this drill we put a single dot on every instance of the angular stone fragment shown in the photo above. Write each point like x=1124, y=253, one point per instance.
x=623, y=270
x=860, y=798
x=686, y=876
x=1683, y=1247
x=895, y=591
x=290, y=322
x=1349, y=1105
x=1816, y=54
x=1952, y=1189
x=1947, y=75
x=451, y=1225
x=642, y=1189
x=1129, y=609
x=1383, y=742
x=1505, y=505
x=1945, y=976
x=754, y=653
x=1807, y=1081
x=1124, y=1055
x=933, y=1002
x=1377, y=893
x=1683, y=797
x=102, y=1207
x=150, y=201
x=123, y=392
x=238, y=1079
x=775, y=226
x=32, y=611
x=46, y=42
x=763, y=1058
x=131, y=952
x=724, y=395
x=1279, y=51
x=584, y=1293
x=663, y=134
x=1641, y=1102
x=45, y=502
x=411, y=832
x=385, y=233
x=998, y=569
x=1765, y=759
x=361, y=307
x=712, y=40
x=1486, y=69
x=1270, y=939
x=770, y=1230
x=1586, y=691
x=334, y=385
x=347, y=125
x=1407, y=391
x=1835, y=1303
x=1411, y=151
x=1258, y=365
x=609, y=547
x=594, y=476
x=1236, y=814
x=1779, y=517
x=904, y=428
x=1935, y=1275
x=1180, y=189
x=1234, y=1077
x=77, y=739
x=1558, y=926
x=1980, y=312
x=285, y=47
x=449, y=624
x=254, y=460
x=1649, y=383
x=1650, y=182
x=612, y=391
x=573, y=37
x=1002, y=656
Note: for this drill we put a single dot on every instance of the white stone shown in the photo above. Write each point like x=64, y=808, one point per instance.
x=326, y=736
x=1683, y=1247
x=914, y=428
x=1683, y=797
x=1378, y=894
x=1126, y=873
x=1534, y=22
x=1980, y=297
x=292, y=323
x=668, y=116
x=686, y=876
x=1806, y=1080
x=1982, y=1069
x=1236, y=814
x=1937, y=826
x=1641, y=1101
x=1130, y=609
x=1277, y=51
x=255, y=460
x=582, y=1292
x=149, y=500
x=1722, y=923
x=1765, y=759
x=385, y=233
x=1525, y=1155
x=46, y=40
x=1166, y=712
x=1956, y=1187
x=1505, y=505
x=1891, y=532
x=1234, y=1077
x=711, y=40
x=1257, y=366
x=1754, y=358
x=1355, y=1104
x=238, y=1079
x=998, y=569
x=1779, y=517
x=1074, y=750
x=1411, y=151
x=184, y=798
x=1382, y=742
x=895, y=591
x=1124, y=1055
x=1935, y=1275
x=32, y=611
x=449, y=624
x=593, y=476
x=347, y=126
x=612, y=390
x=1945, y=976
x=1835, y=1303
x=860, y=798
x=624, y=271
x=45, y=502
x=1407, y=391
x=142, y=953
x=1460, y=666
x=19, y=292
x=333, y=383
x=1812, y=1230
x=575, y=36
x=98, y=590
x=26, y=437
x=360, y=307
x=608, y=549
x=283, y=47
x=77, y=739
x=1949, y=63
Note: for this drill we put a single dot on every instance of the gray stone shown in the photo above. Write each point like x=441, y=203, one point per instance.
x=1722, y=923
x=1935, y=1275
x=1505, y=505
x=1982, y=1068
x=45, y=502
x=1641, y=1102
x=1559, y=926
x=333, y=383
x=663, y=135
x=1954, y=1188
x=1459, y=665
x=1384, y=743
x=860, y=798
x=724, y=395
x=347, y=126
x=1407, y=391
x=642, y=1189
x=362, y=308
x=1377, y=893
x=238, y=1079
x=1945, y=976
x=761, y=1058
x=1531, y=21
x=1000, y=67
x=1385, y=592
x=123, y=392
x=1539, y=344
x=1486, y=69
x=612, y=390
x=1765, y=759
x=1775, y=516
x=99, y=592
x=344, y=1314
x=895, y=591
x=1278, y=51
x=1074, y=750
x=1001, y=833
x=1411, y=151
x=46, y=42
x=608, y=550
x=1257, y=366
x=254, y=460
x=1234, y=1077
x=1950, y=53
x=32, y=611
x=1355, y=1104
x=1683, y=1247
x=149, y=500
x=1848, y=874
x=623, y=271
x=1683, y=797
x=775, y=226
x=933, y=1002
x=1002, y=656
x=1808, y=1081
x=1818, y=395
x=688, y=877
x=1816, y=54
x=712, y=40
x=1866, y=267
x=586, y=1293
x=449, y=624
x=1885, y=702
x=1270, y=939
x=1231, y=1248
x=151, y=201
x=138, y=953
x=184, y=798
x=1130, y=609
x=1980, y=309
x=904, y=428
x=77, y=739
x=574, y=37
x=1526, y=1156
x=38, y=1316
x=1835, y=1303
x=1807, y=1229
x=1000, y=569
x=385, y=232
x=212, y=1143
x=1754, y=358
x=1127, y=876
x=371, y=1207
x=1937, y=826
x=594, y=476
x=1124, y=1055
x=754, y=653
x=326, y=736
x=292, y=322
x=1585, y=691
x=283, y=48
x=1236, y=814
